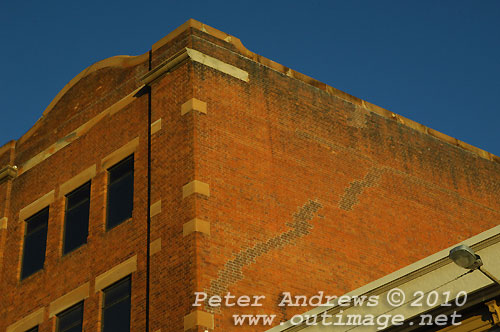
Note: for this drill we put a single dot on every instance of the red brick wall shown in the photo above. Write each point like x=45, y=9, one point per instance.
x=308, y=192
x=312, y=193
x=104, y=249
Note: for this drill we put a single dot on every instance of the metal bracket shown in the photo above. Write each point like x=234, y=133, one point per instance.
x=495, y=311
x=8, y=173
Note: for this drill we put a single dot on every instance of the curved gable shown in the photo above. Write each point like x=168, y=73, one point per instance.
x=92, y=83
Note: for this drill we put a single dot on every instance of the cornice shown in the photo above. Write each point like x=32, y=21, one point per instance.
x=8, y=173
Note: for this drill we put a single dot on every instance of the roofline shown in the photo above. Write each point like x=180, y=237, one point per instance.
x=126, y=61
x=122, y=61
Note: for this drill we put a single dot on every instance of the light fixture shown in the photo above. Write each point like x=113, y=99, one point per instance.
x=465, y=257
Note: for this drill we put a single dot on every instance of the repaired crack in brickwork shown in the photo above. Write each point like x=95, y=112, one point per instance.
x=333, y=147
x=325, y=143
x=350, y=197
x=233, y=269
x=282, y=307
x=330, y=145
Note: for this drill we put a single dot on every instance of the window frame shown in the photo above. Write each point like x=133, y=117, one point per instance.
x=109, y=184
x=127, y=279
x=79, y=305
x=74, y=191
x=45, y=210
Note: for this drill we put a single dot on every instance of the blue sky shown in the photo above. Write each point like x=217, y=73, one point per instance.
x=435, y=62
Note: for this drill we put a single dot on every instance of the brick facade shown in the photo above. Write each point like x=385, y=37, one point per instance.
x=289, y=185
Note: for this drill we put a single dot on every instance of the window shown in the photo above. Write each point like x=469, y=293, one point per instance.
x=35, y=329
x=76, y=225
x=35, y=241
x=120, y=192
x=116, y=309
x=71, y=320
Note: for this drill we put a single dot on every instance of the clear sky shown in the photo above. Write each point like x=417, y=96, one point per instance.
x=435, y=62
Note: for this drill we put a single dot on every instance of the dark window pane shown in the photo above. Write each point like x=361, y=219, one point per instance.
x=37, y=221
x=117, y=292
x=35, y=329
x=34, y=252
x=71, y=320
x=115, y=317
x=76, y=226
x=121, y=169
x=79, y=195
x=116, y=311
x=74, y=329
x=120, y=201
x=120, y=192
x=35, y=242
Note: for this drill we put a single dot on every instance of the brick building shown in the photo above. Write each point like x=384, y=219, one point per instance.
x=203, y=167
